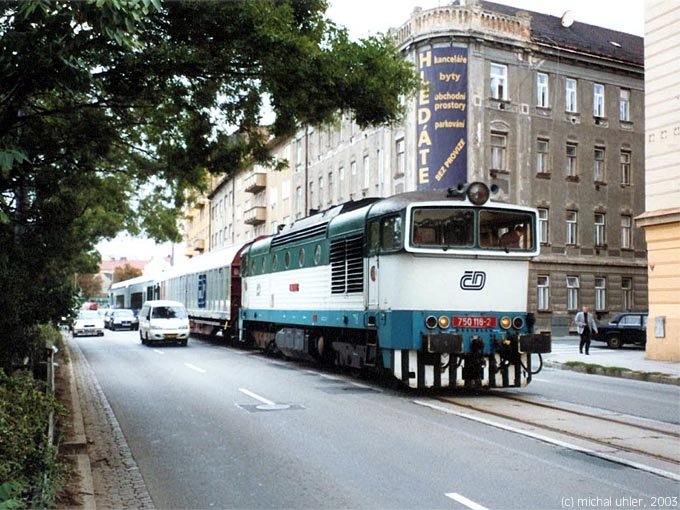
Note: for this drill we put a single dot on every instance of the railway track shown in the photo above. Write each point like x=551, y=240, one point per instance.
x=648, y=438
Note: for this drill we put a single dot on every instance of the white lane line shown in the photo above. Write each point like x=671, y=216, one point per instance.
x=159, y=352
x=194, y=367
x=556, y=442
x=257, y=397
x=465, y=501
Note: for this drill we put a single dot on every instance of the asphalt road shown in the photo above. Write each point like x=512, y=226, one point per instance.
x=213, y=427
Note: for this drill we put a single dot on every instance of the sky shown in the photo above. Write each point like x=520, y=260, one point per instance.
x=367, y=17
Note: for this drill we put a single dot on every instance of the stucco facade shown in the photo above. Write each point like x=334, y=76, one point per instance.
x=661, y=220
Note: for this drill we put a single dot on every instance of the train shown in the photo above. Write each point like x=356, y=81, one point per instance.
x=427, y=287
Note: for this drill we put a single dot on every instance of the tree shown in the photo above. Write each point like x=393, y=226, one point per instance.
x=111, y=109
x=127, y=272
x=90, y=285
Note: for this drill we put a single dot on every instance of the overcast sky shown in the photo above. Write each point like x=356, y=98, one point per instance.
x=366, y=17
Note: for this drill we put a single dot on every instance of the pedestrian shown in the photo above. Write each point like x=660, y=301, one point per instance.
x=585, y=325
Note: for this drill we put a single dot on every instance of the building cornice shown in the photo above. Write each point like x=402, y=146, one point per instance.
x=658, y=217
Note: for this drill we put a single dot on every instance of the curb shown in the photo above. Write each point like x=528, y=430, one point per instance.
x=75, y=445
x=617, y=372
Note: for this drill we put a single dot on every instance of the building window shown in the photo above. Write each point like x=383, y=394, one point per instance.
x=624, y=105
x=627, y=293
x=320, y=191
x=571, y=97
x=598, y=100
x=499, y=81
x=498, y=145
x=401, y=157
x=600, y=294
x=298, y=201
x=299, y=149
x=626, y=234
x=625, y=168
x=367, y=172
x=598, y=166
x=543, y=292
x=572, y=162
x=600, y=229
x=331, y=191
x=572, y=227
x=542, y=90
x=543, y=226
x=572, y=293
x=381, y=170
x=542, y=147
x=353, y=174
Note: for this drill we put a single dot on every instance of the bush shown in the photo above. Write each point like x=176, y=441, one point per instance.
x=27, y=460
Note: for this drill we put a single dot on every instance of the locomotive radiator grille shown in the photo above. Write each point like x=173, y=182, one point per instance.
x=347, y=265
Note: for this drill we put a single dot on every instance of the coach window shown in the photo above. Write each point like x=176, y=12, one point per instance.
x=275, y=262
x=264, y=265
x=301, y=257
x=317, y=255
x=390, y=233
x=286, y=260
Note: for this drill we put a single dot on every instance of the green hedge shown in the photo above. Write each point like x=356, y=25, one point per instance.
x=30, y=474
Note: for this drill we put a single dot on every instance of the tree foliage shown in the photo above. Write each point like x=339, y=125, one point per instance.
x=110, y=110
x=127, y=272
x=90, y=285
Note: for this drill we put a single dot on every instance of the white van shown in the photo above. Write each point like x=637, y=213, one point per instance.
x=163, y=321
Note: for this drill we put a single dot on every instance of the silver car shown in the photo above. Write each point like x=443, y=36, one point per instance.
x=88, y=322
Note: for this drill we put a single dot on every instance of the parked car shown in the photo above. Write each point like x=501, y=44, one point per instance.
x=122, y=318
x=88, y=322
x=624, y=328
x=163, y=321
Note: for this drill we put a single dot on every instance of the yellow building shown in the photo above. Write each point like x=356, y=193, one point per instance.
x=661, y=220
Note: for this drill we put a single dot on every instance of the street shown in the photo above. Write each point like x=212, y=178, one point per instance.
x=217, y=427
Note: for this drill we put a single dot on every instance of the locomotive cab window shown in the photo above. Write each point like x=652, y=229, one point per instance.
x=442, y=227
x=506, y=230
x=390, y=234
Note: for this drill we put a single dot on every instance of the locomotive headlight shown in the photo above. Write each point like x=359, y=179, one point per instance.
x=444, y=322
x=505, y=322
x=431, y=321
x=518, y=322
x=478, y=193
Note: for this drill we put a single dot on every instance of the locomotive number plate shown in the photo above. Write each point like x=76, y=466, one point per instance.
x=474, y=322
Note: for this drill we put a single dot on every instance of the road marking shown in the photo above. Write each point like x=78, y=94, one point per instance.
x=465, y=501
x=159, y=352
x=555, y=442
x=194, y=367
x=257, y=397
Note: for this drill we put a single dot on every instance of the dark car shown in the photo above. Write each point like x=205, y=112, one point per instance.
x=121, y=319
x=624, y=328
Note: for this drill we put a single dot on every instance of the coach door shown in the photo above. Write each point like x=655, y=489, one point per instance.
x=372, y=262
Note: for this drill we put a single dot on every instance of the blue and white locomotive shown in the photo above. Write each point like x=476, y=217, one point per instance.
x=429, y=286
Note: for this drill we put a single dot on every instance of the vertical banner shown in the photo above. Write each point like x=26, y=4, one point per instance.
x=441, y=138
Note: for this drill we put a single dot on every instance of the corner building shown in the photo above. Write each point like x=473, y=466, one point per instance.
x=549, y=110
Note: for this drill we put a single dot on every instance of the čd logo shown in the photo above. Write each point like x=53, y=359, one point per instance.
x=473, y=280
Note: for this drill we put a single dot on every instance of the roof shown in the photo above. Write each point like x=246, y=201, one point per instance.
x=579, y=37
x=111, y=264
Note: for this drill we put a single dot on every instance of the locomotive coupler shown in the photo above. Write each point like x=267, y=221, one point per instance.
x=473, y=370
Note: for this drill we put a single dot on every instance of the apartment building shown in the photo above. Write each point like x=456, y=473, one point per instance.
x=661, y=220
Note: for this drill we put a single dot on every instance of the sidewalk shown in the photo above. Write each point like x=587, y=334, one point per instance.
x=628, y=362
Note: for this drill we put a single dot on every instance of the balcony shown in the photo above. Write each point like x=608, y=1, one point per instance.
x=198, y=244
x=255, y=183
x=255, y=215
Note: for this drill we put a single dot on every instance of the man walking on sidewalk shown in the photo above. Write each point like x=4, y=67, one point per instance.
x=585, y=325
